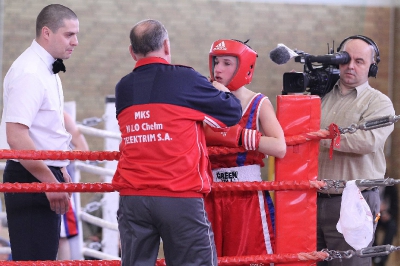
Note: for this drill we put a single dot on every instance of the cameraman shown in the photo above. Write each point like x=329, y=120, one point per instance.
x=361, y=154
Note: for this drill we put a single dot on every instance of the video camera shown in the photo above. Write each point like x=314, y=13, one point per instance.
x=319, y=79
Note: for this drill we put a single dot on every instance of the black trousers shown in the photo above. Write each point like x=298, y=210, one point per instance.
x=182, y=224
x=34, y=229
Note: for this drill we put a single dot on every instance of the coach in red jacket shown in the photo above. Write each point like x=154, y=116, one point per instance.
x=164, y=173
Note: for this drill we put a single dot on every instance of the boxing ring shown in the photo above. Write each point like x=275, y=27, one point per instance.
x=295, y=199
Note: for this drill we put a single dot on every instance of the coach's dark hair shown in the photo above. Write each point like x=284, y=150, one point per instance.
x=52, y=16
x=147, y=36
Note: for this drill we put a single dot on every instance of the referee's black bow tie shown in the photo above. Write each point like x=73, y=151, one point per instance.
x=58, y=66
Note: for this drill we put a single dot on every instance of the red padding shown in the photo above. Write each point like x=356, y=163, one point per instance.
x=296, y=224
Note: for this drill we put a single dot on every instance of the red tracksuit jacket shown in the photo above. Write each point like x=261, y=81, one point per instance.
x=160, y=110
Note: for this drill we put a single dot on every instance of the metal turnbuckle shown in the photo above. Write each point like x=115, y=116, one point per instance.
x=370, y=124
x=379, y=122
x=338, y=184
x=377, y=182
x=376, y=251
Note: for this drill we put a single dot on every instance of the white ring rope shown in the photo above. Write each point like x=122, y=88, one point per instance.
x=98, y=254
x=98, y=221
x=97, y=170
x=98, y=132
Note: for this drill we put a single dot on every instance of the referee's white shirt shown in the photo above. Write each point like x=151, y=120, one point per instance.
x=33, y=96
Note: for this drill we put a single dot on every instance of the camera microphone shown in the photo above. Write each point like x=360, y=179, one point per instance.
x=282, y=54
x=339, y=58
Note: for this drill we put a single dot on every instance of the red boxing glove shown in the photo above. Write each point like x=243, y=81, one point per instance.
x=235, y=137
x=250, y=139
x=228, y=138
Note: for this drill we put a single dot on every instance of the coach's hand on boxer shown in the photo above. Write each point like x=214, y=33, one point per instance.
x=220, y=86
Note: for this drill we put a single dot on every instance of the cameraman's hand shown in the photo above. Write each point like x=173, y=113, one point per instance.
x=322, y=133
x=220, y=86
x=319, y=184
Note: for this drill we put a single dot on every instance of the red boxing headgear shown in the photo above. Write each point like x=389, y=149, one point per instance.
x=246, y=61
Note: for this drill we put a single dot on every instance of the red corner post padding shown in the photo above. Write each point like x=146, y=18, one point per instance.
x=296, y=211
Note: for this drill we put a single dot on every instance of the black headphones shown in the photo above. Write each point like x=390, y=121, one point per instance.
x=373, y=68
